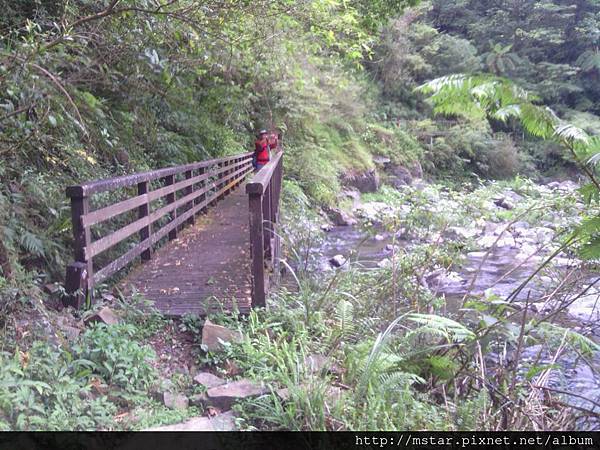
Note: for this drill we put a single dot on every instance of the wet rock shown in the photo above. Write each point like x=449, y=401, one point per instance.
x=381, y=161
x=504, y=203
x=175, y=401
x=208, y=380
x=341, y=217
x=213, y=335
x=325, y=266
x=221, y=422
x=337, y=261
x=456, y=233
x=367, y=181
x=488, y=241
x=391, y=248
x=372, y=211
x=105, y=315
x=399, y=175
x=226, y=395
x=585, y=307
x=352, y=195
x=544, y=235
x=384, y=263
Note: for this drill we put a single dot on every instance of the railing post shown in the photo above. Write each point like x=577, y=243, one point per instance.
x=203, y=184
x=80, y=275
x=214, y=197
x=143, y=211
x=266, y=206
x=169, y=180
x=257, y=249
x=188, y=191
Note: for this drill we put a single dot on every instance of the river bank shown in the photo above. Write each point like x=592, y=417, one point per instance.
x=498, y=236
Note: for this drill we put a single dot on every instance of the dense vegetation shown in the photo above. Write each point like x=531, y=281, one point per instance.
x=92, y=89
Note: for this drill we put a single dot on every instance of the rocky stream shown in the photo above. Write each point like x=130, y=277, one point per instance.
x=502, y=246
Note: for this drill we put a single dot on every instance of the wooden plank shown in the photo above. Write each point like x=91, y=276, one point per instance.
x=108, y=212
x=171, y=200
x=257, y=250
x=143, y=211
x=128, y=257
x=261, y=180
x=87, y=189
x=188, y=191
x=111, y=240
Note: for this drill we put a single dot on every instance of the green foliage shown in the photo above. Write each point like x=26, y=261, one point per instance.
x=116, y=357
x=500, y=99
x=46, y=389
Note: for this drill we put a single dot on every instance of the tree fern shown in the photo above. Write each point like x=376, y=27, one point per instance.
x=499, y=98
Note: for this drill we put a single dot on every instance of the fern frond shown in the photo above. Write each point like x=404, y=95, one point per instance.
x=344, y=319
x=444, y=326
x=32, y=244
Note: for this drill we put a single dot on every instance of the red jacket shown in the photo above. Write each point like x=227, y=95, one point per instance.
x=261, y=150
x=273, y=141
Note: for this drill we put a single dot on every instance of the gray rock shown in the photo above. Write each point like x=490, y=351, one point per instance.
x=105, y=315
x=226, y=395
x=379, y=237
x=222, y=422
x=384, y=263
x=341, y=218
x=399, y=176
x=504, y=203
x=367, y=181
x=326, y=227
x=456, y=233
x=416, y=170
x=337, y=261
x=213, y=335
x=318, y=363
x=208, y=380
x=175, y=401
x=381, y=160
x=283, y=394
x=199, y=400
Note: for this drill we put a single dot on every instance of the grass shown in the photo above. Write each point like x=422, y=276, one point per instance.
x=395, y=357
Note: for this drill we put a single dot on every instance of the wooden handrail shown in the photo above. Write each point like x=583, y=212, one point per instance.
x=264, y=191
x=219, y=175
x=111, y=184
x=260, y=181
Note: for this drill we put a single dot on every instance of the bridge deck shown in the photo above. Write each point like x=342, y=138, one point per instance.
x=206, y=269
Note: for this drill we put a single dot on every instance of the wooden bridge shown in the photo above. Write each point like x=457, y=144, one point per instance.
x=205, y=244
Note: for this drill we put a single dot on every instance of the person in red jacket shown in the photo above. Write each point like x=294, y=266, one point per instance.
x=273, y=140
x=262, y=154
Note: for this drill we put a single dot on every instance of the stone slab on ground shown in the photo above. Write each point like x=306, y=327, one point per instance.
x=213, y=335
x=208, y=380
x=105, y=315
x=226, y=395
x=222, y=422
x=175, y=401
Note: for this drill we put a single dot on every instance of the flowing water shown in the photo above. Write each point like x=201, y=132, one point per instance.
x=501, y=269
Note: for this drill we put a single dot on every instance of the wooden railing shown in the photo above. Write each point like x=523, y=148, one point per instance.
x=165, y=201
x=264, y=191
